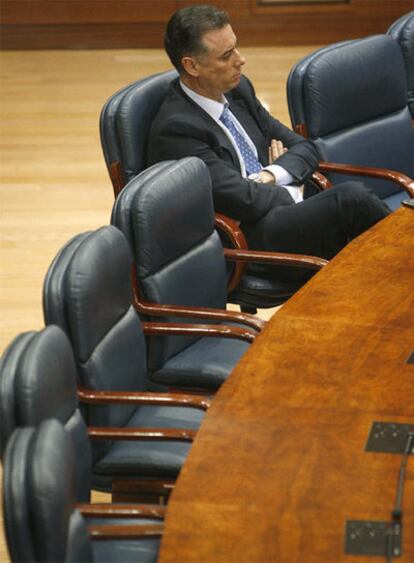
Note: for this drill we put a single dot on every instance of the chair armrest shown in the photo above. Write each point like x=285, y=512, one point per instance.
x=321, y=181
x=147, y=434
x=106, y=510
x=221, y=331
x=405, y=182
x=300, y=260
x=232, y=230
x=113, y=532
x=95, y=397
x=156, y=309
x=117, y=176
x=123, y=488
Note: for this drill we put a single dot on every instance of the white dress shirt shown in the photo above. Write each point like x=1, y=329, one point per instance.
x=215, y=109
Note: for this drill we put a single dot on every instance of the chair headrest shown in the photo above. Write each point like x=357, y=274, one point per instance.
x=39, y=477
x=355, y=82
x=46, y=378
x=8, y=370
x=17, y=516
x=403, y=32
x=38, y=381
x=54, y=310
x=97, y=288
x=107, y=125
x=121, y=211
x=135, y=114
x=52, y=491
x=171, y=212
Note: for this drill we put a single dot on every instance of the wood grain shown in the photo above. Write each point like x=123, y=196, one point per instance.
x=48, y=24
x=279, y=463
x=54, y=183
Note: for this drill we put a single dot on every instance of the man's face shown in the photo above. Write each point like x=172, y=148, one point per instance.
x=219, y=69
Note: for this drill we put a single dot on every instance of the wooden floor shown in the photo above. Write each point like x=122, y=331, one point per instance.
x=54, y=182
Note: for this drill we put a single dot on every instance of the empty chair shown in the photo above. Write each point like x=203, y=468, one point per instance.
x=42, y=520
x=38, y=380
x=125, y=123
x=402, y=30
x=167, y=215
x=350, y=99
x=87, y=292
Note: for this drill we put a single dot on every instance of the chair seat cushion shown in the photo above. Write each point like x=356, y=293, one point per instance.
x=206, y=363
x=150, y=458
x=125, y=551
x=263, y=292
x=394, y=201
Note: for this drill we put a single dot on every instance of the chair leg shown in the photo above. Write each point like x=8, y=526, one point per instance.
x=248, y=309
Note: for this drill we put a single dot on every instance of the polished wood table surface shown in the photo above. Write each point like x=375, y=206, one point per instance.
x=279, y=464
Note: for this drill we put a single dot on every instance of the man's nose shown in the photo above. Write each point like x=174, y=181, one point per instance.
x=240, y=59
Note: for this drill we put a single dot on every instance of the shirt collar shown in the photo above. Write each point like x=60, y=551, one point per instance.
x=213, y=108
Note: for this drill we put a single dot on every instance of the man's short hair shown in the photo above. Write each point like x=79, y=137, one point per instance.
x=184, y=32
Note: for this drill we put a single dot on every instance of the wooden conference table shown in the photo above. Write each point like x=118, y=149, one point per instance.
x=279, y=464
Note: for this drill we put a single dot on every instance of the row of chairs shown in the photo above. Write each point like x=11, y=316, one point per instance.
x=112, y=392
x=352, y=99
x=93, y=363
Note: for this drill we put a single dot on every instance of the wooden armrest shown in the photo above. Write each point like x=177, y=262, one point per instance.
x=232, y=230
x=125, y=487
x=300, y=260
x=156, y=309
x=106, y=510
x=117, y=177
x=223, y=331
x=321, y=181
x=147, y=434
x=113, y=532
x=92, y=396
x=405, y=182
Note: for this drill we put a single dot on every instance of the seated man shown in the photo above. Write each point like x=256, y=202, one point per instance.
x=211, y=112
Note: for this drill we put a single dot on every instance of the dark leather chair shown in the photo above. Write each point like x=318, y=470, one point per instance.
x=38, y=380
x=88, y=293
x=42, y=521
x=124, y=127
x=167, y=214
x=350, y=99
x=402, y=30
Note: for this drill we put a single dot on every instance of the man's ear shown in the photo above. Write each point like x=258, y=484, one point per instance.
x=190, y=66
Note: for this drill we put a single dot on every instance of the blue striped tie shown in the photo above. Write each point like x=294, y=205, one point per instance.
x=250, y=160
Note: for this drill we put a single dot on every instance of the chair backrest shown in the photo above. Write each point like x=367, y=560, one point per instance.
x=37, y=382
x=39, y=497
x=125, y=122
x=402, y=30
x=351, y=99
x=87, y=291
x=168, y=217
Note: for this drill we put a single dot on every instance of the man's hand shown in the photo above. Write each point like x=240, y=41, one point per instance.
x=265, y=177
x=276, y=149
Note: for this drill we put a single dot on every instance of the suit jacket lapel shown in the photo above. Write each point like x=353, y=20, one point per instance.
x=221, y=138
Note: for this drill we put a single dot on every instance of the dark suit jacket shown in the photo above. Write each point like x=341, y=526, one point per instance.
x=181, y=128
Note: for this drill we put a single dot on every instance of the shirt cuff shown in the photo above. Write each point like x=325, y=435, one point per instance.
x=283, y=177
x=296, y=192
